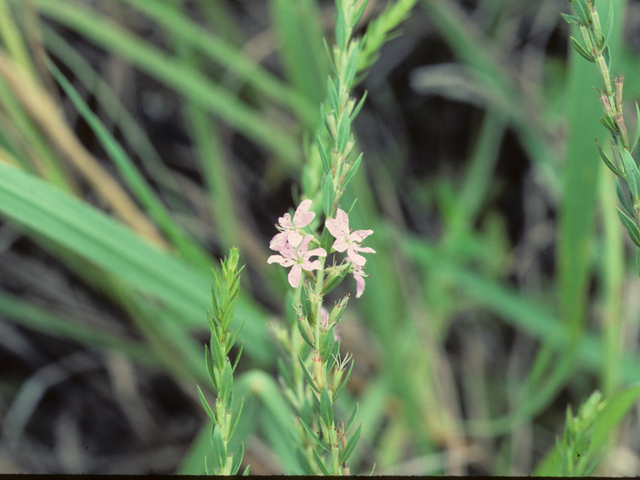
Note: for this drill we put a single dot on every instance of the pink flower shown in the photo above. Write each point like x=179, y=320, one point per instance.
x=359, y=275
x=298, y=259
x=289, y=230
x=339, y=228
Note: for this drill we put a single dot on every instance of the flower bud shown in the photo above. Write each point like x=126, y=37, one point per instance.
x=338, y=310
x=334, y=276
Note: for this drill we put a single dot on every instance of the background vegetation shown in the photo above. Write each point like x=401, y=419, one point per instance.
x=140, y=139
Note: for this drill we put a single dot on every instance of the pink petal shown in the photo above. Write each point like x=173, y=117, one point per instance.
x=340, y=245
x=356, y=259
x=289, y=252
x=360, y=235
x=320, y=252
x=324, y=315
x=294, y=276
x=285, y=262
x=343, y=218
x=279, y=241
x=359, y=283
x=307, y=265
x=285, y=221
x=334, y=227
x=303, y=216
x=294, y=238
x=302, y=249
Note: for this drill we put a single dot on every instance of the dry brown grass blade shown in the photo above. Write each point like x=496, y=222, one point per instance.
x=38, y=103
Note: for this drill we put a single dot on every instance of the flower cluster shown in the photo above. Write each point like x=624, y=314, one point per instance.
x=292, y=243
x=351, y=242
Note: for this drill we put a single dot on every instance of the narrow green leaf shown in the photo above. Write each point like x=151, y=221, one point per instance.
x=327, y=345
x=226, y=386
x=235, y=424
x=326, y=164
x=235, y=364
x=332, y=64
x=608, y=162
x=358, y=107
x=356, y=17
x=630, y=225
x=237, y=461
x=215, y=308
x=638, y=262
x=228, y=315
x=607, y=56
x=307, y=309
x=622, y=197
x=284, y=372
x=331, y=358
x=570, y=19
x=223, y=299
x=316, y=403
x=344, y=383
x=328, y=195
x=313, y=436
x=326, y=242
x=351, y=445
x=341, y=34
x=344, y=132
x=636, y=136
x=320, y=463
x=326, y=408
x=352, y=171
x=607, y=29
x=580, y=49
x=352, y=418
x=582, y=11
x=609, y=124
x=332, y=94
x=632, y=175
x=235, y=336
x=352, y=67
x=219, y=448
x=209, y=364
x=216, y=352
x=205, y=405
x=308, y=375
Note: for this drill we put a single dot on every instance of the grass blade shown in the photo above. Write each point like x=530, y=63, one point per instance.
x=95, y=236
x=189, y=82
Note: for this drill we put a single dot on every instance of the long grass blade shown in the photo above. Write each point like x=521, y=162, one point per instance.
x=93, y=235
x=189, y=82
